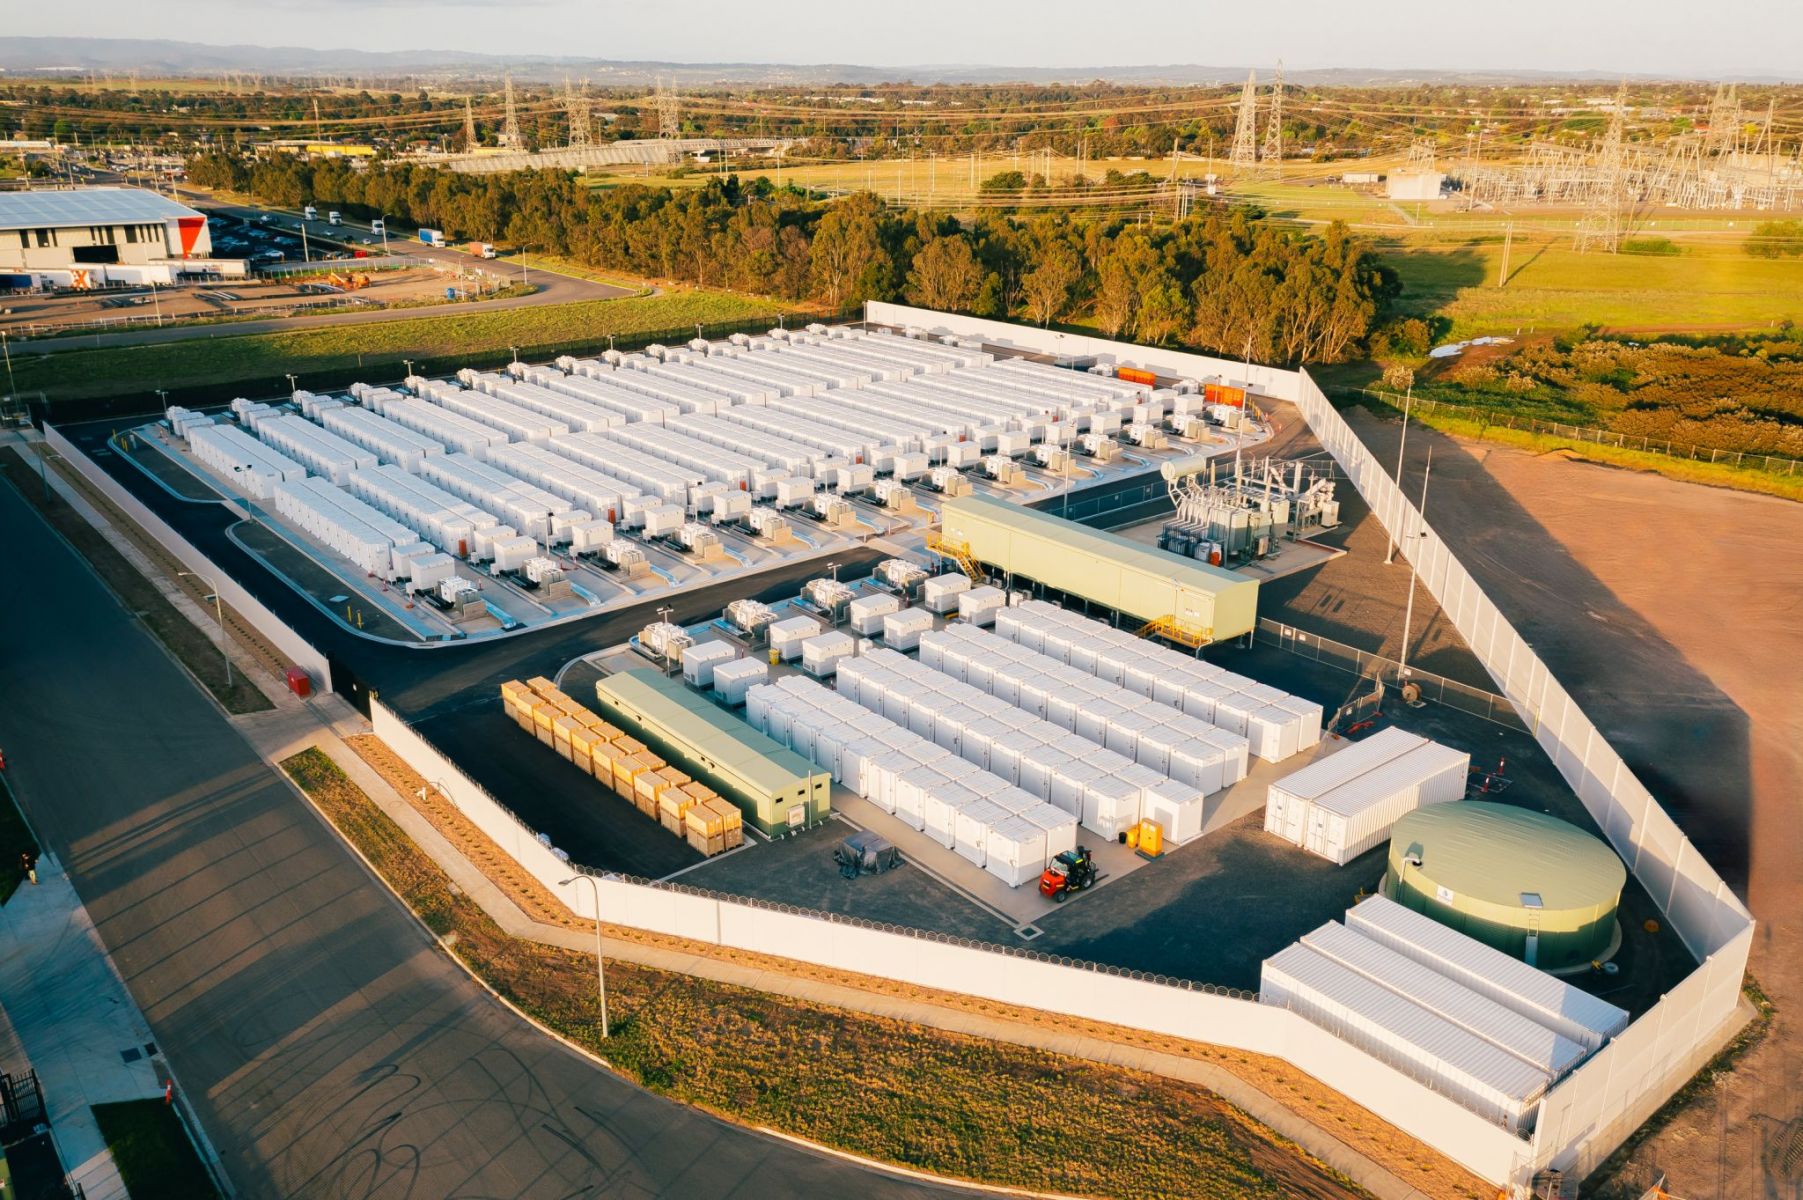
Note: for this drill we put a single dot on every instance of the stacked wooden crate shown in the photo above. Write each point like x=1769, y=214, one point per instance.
x=684, y=807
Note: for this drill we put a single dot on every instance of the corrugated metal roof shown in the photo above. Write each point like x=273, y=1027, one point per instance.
x=1493, y=852
x=1161, y=563
x=1341, y=767
x=1386, y=779
x=1508, y=980
x=1462, y=1056
x=87, y=206
x=712, y=730
x=1522, y=1036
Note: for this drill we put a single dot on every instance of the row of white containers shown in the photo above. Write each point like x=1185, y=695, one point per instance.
x=441, y=518
x=1276, y=723
x=241, y=458
x=1462, y=1017
x=388, y=440
x=1344, y=804
x=993, y=824
x=376, y=543
x=1188, y=750
x=1107, y=792
x=320, y=451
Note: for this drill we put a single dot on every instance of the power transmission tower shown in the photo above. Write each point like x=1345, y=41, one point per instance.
x=576, y=107
x=1273, y=151
x=510, y=125
x=1245, y=134
x=469, y=125
x=669, y=115
x=1600, y=227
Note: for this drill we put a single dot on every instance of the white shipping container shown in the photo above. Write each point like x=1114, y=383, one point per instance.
x=1569, y=1010
x=1358, y=815
x=1059, y=826
x=974, y=821
x=979, y=605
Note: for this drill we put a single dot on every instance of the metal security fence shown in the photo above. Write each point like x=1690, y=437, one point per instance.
x=1435, y=689
x=1590, y=435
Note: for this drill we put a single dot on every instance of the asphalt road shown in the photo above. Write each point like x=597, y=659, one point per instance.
x=330, y=1048
x=552, y=289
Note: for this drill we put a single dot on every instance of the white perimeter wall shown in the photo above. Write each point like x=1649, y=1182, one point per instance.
x=296, y=648
x=1267, y=381
x=1030, y=982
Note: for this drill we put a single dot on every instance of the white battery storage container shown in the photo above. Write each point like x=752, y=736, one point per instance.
x=979, y=605
x=787, y=635
x=1482, y=1077
x=902, y=629
x=865, y=613
x=940, y=593
x=700, y=661
x=1570, y=1011
x=820, y=656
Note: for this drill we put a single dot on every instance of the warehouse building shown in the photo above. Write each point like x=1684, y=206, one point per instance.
x=1530, y=885
x=93, y=237
x=1196, y=602
x=775, y=788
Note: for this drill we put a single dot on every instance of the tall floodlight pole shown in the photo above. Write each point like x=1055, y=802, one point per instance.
x=219, y=612
x=600, y=962
x=1408, y=613
x=1407, y=402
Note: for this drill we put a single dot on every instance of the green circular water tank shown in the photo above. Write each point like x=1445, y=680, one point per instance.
x=1528, y=884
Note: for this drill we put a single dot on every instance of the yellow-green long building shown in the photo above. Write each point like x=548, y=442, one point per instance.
x=774, y=787
x=1136, y=580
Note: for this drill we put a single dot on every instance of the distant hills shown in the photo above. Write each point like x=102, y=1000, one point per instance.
x=47, y=57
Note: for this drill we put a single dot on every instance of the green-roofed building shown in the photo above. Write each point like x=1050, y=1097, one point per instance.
x=1528, y=884
x=1138, y=581
x=776, y=788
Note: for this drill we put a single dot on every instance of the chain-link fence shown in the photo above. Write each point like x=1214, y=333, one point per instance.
x=1777, y=464
x=1435, y=689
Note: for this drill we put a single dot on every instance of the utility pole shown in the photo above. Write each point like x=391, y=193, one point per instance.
x=600, y=968
x=1502, y=279
x=1408, y=613
x=1407, y=402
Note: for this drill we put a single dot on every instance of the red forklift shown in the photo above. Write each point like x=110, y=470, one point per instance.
x=1069, y=871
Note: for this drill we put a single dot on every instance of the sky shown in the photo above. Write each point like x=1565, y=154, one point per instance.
x=1668, y=37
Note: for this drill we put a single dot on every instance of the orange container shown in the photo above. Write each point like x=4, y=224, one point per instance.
x=1135, y=375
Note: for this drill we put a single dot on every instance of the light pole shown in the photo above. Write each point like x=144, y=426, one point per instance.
x=600, y=962
x=156, y=305
x=291, y=387
x=1408, y=613
x=6, y=350
x=219, y=612
x=1408, y=402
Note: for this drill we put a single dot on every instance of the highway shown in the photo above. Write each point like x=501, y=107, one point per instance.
x=330, y=1048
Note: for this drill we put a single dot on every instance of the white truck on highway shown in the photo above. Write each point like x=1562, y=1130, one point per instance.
x=310, y=213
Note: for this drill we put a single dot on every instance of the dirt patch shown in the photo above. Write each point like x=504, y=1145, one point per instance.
x=1431, y=1173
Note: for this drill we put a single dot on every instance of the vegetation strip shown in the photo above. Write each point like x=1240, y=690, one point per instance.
x=197, y=650
x=953, y=1105
x=260, y=361
x=151, y=1148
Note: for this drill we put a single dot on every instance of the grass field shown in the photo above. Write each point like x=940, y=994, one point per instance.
x=261, y=360
x=156, y=1160
x=941, y=1102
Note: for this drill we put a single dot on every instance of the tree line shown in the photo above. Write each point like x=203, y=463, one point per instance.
x=1220, y=280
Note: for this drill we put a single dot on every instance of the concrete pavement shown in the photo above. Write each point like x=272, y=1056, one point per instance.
x=329, y=1046
x=73, y=1022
